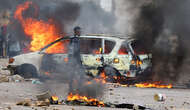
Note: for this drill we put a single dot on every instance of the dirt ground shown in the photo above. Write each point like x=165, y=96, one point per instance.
x=177, y=99
x=13, y=92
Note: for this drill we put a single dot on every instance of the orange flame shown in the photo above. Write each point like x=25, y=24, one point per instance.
x=101, y=79
x=153, y=85
x=55, y=98
x=91, y=101
x=41, y=32
x=122, y=51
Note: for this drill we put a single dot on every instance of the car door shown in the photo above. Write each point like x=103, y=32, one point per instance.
x=108, y=53
x=91, y=52
x=55, y=57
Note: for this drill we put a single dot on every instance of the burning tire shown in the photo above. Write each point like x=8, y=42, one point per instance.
x=27, y=71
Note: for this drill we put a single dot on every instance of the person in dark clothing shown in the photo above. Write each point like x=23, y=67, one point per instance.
x=75, y=63
x=74, y=46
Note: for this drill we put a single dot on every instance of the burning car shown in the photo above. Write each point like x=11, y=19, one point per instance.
x=115, y=55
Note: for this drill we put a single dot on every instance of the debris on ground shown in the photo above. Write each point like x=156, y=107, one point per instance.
x=4, y=78
x=11, y=78
x=46, y=102
x=36, y=82
x=16, y=78
x=26, y=102
x=44, y=96
x=160, y=97
x=29, y=102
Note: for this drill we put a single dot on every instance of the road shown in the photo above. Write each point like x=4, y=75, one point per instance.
x=13, y=92
x=177, y=99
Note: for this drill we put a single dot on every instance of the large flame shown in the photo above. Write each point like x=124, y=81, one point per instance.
x=41, y=32
x=153, y=85
x=90, y=101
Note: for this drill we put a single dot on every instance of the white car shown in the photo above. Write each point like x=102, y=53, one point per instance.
x=113, y=54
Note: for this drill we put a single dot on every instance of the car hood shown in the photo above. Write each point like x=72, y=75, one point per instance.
x=33, y=58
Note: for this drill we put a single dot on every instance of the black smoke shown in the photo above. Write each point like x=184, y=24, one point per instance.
x=162, y=27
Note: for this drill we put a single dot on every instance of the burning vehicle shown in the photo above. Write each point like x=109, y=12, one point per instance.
x=116, y=56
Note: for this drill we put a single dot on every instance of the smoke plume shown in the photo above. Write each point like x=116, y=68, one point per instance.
x=162, y=27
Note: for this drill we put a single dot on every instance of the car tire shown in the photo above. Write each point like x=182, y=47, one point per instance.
x=27, y=71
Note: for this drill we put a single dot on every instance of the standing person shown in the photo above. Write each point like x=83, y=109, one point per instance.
x=75, y=63
x=74, y=47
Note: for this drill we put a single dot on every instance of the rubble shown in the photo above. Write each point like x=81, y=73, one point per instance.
x=44, y=96
x=11, y=78
x=15, y=78
x=26, y=102
x=46, y=102
x=29, y=102
x=4, y=78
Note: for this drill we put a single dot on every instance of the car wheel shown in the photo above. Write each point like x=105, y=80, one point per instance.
x=27, y=71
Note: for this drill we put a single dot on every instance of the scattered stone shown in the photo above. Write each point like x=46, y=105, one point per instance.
x=27, y=102
x=186, y=103
x=43, y=103
x=4, y=78
x=15, y=78
x=44, y=96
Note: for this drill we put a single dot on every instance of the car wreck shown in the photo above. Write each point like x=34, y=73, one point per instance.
x=115, y=55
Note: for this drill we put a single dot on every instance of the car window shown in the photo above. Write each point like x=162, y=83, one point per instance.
x=90, y=46
x=60, y=47
x=138, y=47
x=109, y=45
x=123, y=50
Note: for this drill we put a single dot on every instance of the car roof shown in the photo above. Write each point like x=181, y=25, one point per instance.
x=103, y=36
x=107, y=36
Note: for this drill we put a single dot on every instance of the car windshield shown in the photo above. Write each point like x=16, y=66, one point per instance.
x=58, y=46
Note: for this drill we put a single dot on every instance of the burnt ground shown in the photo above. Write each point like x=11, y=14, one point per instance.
x=13, y=92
